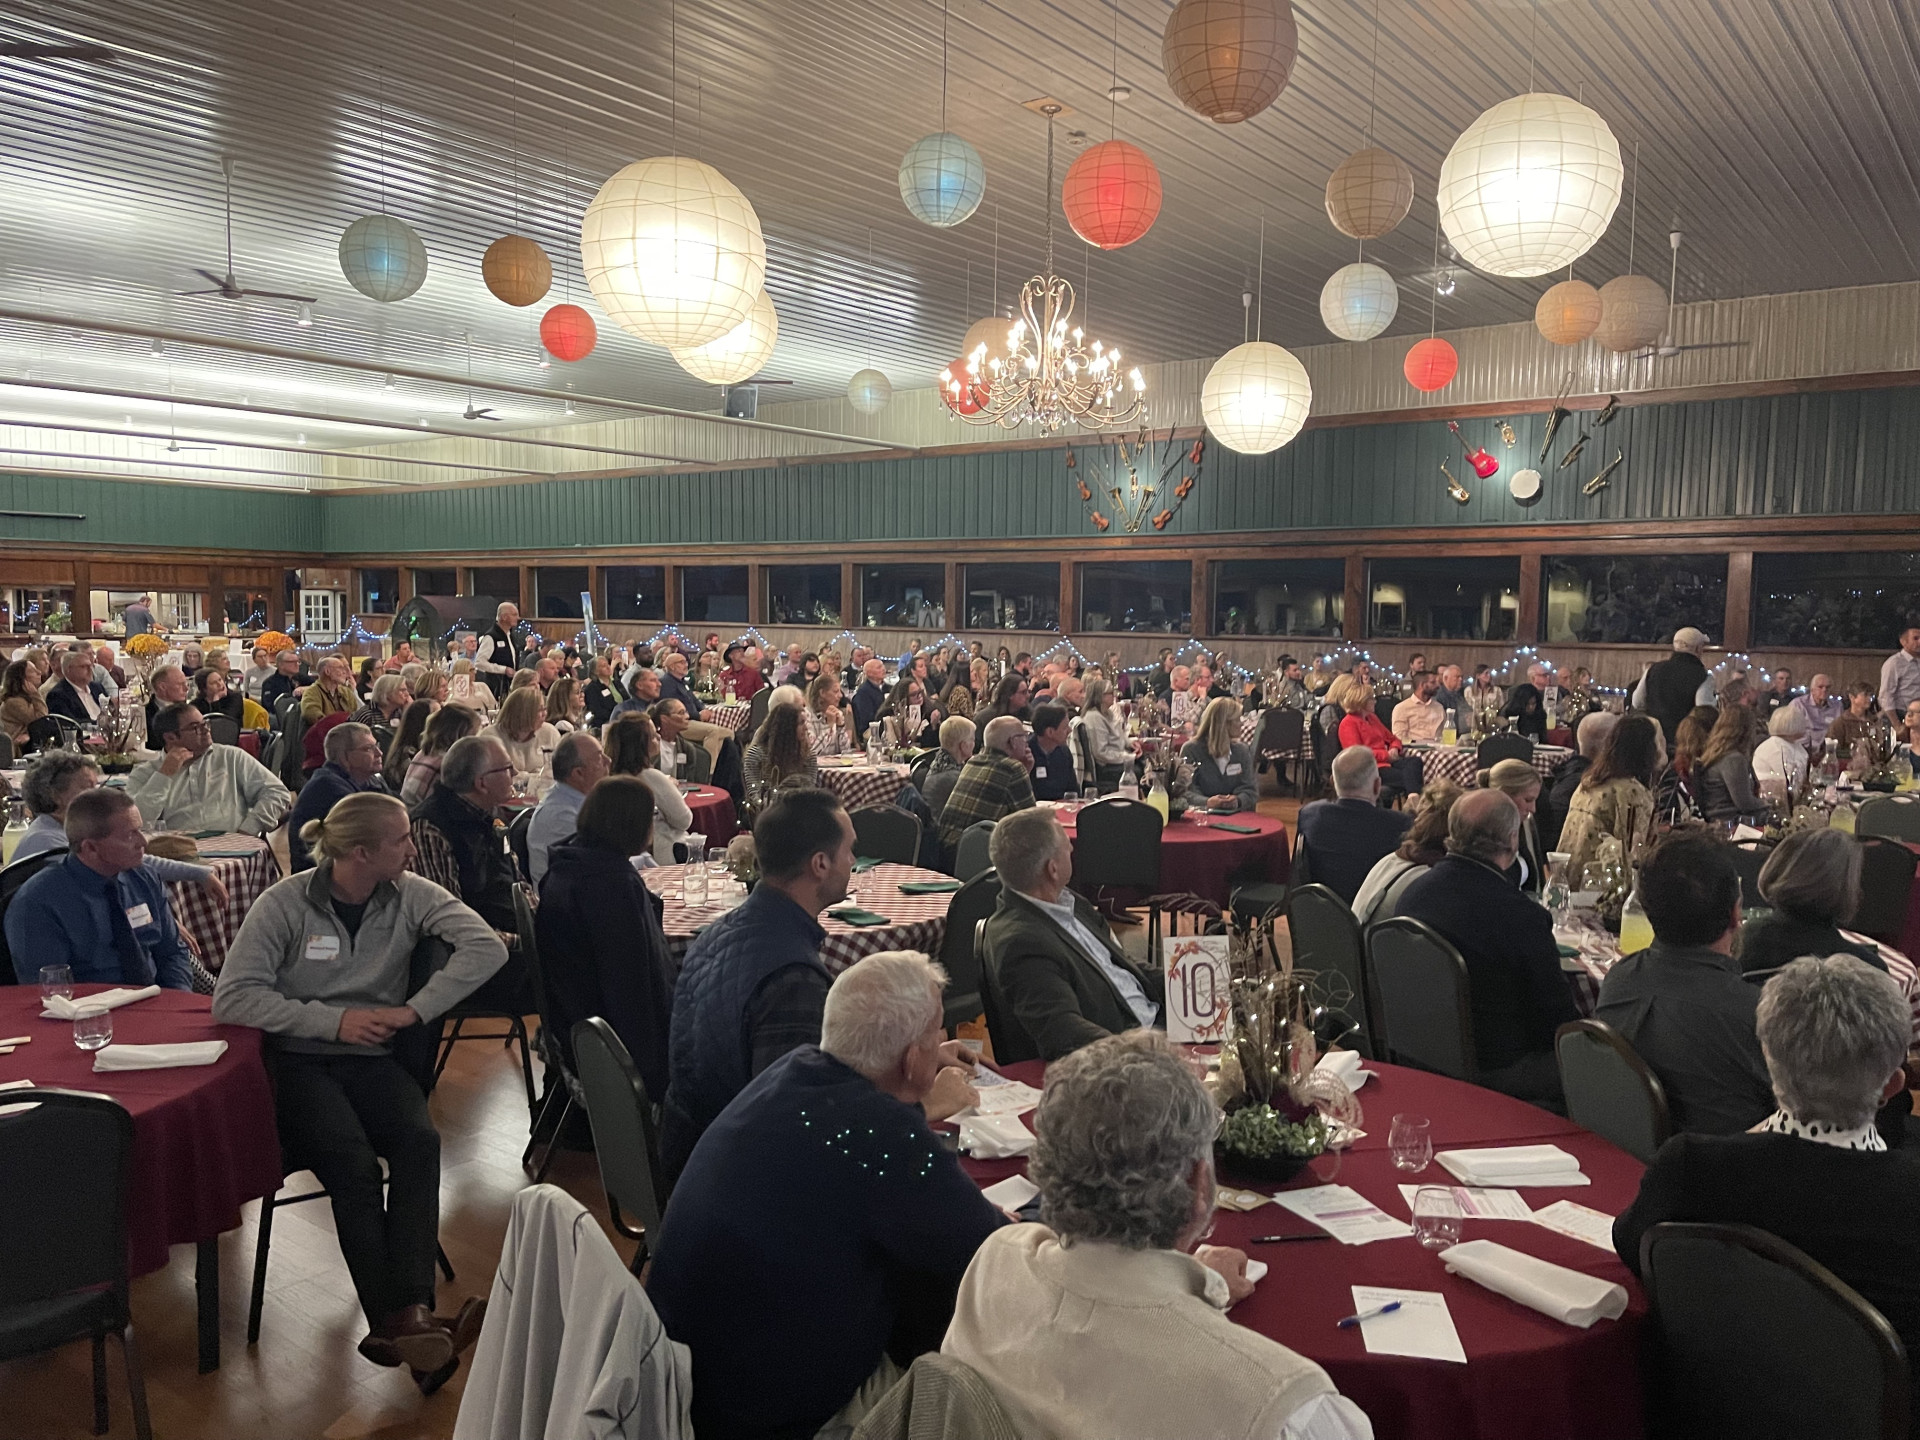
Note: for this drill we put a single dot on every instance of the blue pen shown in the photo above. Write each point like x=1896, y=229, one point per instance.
x=1353, y=1320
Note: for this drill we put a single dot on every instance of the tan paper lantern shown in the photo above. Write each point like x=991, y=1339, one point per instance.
x=1369, y=193
x=1633, y=312
x=988, y=337
x=517, y=270
x=1568, y=313
x=1229, y=59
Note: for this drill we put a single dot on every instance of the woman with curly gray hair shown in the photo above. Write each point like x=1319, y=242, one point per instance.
x=1124, y=1162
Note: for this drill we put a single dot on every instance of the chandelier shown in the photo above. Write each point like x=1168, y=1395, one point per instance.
x=1051, y=373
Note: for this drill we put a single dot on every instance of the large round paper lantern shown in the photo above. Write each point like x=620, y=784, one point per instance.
x=517, y=270
x=568, y=332
x=1568, y=313
x=1256, y=397
x=736, y=355
x=1633, y=313
x=942, y=179
x=1530, y=185
x=1111, y=194
x=382, y=258
x=1228, y=59
x=1358, y=301
x=1431, y=364
x=1369, y=193
x=673, y=251
x=869, y=391
x=988, y=339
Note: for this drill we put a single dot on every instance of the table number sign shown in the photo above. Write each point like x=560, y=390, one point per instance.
x=1197, y=976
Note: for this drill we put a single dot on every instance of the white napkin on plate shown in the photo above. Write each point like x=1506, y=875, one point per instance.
x=1554, y=1290
x=994, y=1137
x=1514, y=1165
x=158, y=1057
x=59, y=1007
x=1344, y=1065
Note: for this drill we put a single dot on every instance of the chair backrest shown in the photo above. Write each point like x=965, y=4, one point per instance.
x=224, y=729
x=970, y=855
x=624, y=1137
x=886, y=832
x=6, y=749
x=1117, y=842
x=1011, y=1042
x=1383, y=707
x=757, y=710
x=1281, y=730
x=1327, y=940
x=1748, y=857
x=1426, y=1008
x=1496, y=748
x=63, y=1168
x=1755, y=1339
x=1886, y=883
x=517, y=840
x=1326, y=733
x=972, y=903
x=1897, y=817
x=11, y=879
x=526, y=932
x=1609, y=1088
x=43, y=733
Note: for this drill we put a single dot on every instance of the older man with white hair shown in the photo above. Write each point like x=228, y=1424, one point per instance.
x=1672, y=687
x=1341, y=839
x=819, y=1230
x=1590, y=735
x=500, y=651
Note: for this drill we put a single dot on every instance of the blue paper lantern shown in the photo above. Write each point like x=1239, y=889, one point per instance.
x=382, y=258
x=942, y=179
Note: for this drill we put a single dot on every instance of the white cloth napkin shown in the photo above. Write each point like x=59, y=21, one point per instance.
x=59, y=1007
x=994, y=1137
x=158, y=1057
x=1566, y=1295
x=1514, y=1165
x=1345, y=1066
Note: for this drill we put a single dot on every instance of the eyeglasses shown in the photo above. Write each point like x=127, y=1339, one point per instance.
x=194, y=729
x=497, y=770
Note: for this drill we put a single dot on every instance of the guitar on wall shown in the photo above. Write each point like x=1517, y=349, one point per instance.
x=1484, y=465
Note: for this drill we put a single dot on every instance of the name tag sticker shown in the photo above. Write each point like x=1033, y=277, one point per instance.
x=139, y=916
x=1234, y=768
x=323, y=947
x=1039, y=772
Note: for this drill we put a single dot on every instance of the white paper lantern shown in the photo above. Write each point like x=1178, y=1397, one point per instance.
x=942, y=179
x=739, y=353
x=1568, y=313
x=382, y=258
x=1530, y=185
x=673, y=251
x=1358, y=301
x=990, y=336
x=1633, y=313
x=1256, y=397
x=869, y=391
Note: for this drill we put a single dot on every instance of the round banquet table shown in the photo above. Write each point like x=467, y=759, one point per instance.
x=732, y=714
x=862, y=784
x=204, y=1139
x=1527, y=1377
x=713, y=814
x=1451, y=762
x=246, y=866
x=1199, y=858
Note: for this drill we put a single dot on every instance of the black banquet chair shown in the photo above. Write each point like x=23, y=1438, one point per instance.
x=886, y=832
x=1425, y=1016
x=1496, y=748
x=1327, y=940
x=973, y=902
x=625, y=1138
x=1116, y=846
x=1609, y=1088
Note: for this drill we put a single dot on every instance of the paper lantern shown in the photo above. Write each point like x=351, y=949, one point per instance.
x=568, y=332
x=673, y=251
x=1358, y=301
x=869, y=391
x=942, y=179
x=1530, y=185
x=1256, y=397
x=736, y=355
x=964, y=394
x=988, y=338
x=1431, y=364
x=1568, y=313
x=1229, y=59
x=1369, y=193
x=1111, y=194
x=382, y=258
x=517, y=270
x=1633, y=313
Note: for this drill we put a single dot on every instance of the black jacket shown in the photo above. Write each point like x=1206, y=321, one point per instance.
x=487, y=871
x=1671, y=687
x=1053, y=997
x=1341, y=840
x=1780, y=937
x=1554, y=803
x=64, y=699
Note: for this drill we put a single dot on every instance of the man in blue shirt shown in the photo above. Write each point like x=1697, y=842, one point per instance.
x=674, y=686
x=97, y=912
x=353, y=765
x=1053, y=777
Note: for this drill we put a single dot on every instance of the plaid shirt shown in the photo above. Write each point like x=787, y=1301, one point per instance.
x=991, y=785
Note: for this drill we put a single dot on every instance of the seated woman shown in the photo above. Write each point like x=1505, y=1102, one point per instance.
x=1526, y=708
x=1399, y=774
x=407, y=736
x=633, y=748
x=1812, y=881
x=778, y=753
x=1855, y=723
x=957, y=737
x=1424, y=847
x=1520, y=783
x=1726, y=769
x=1223, y=769
x=446, y=725
x=1104, y=734
x=212, y=697
x=598, y=693
x=20, y=702
x=957, y=699
x=829, y=723
x=522, y=727
x=1780, y=763
x=1611, y=814
x=566, y=706
x=906, y=720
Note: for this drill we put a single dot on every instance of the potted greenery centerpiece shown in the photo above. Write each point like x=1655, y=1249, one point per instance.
x=116, y=727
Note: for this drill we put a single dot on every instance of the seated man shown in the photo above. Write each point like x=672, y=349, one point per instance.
x=332, y=691
x=579, y=764
x=643, y=692
x=457, y=842
x=99, y=912
x=353, y=765
x=203, y=788
x=741, y=676
x=1124, y=1162
x=812, y=1246
x=1520, y=998
x=167, y=687
x=1053, y=768
x=675, y=686
x=77, y=695
x=1062, y=977
x=1343, y=838
x=1817, y=1173
x=1420, y=717
x=991, y=785
x=869, y=697
x=287, y=679
x=323, y=965
x=1681, y=1002
x=956, y=748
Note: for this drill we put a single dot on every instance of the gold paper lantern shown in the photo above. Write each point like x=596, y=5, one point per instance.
x=1369, y=193
x=1633, y=312
x=517, y=270
x=1568, y=313
x=1229, y=59
x=989, y=338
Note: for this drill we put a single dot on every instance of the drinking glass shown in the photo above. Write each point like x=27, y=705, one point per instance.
x=693, y=884
x=93, y=1028
x=1411, y=1143
x=1436, y=1217
x=56, y=980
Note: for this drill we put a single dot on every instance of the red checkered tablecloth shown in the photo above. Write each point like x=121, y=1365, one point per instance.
x=246, y=874
x=919, y=921
x=1449, y=762
x=859, y=785
x=1250, y=727
x=731, y=713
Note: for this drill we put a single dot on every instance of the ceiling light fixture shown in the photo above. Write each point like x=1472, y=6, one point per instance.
x=387, y=382
x=303, y=315
x=156, y=349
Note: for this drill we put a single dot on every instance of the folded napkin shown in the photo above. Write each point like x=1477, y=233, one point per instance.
x=58, y=1007
x=928, y=887
x=854, y=915
x=1566, y=1295
x=158, y=1057
x=1236, y=829
x=1345, y=1065
x=1514, y=1165
x=864, y=863
x=994, y=1137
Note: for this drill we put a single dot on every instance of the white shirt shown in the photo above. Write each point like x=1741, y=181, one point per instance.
x=1106, y=737
x=1062, y=914
x=1899, y=682
x=1864, y=1137
x=1781, y=761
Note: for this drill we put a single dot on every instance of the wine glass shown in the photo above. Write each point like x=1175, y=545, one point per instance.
x=1436, y=1217
x=1410, y=1142
x=93, y=1027
x=56, y=981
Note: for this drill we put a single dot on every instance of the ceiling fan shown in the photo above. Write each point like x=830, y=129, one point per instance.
x=475, y=412
x=174, y=447
x=225, y=286
x=1665, y=347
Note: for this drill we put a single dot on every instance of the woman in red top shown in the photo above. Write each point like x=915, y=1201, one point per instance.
x=1399, y=774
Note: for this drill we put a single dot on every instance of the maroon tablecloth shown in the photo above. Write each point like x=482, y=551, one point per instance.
x=204, y=1141
x=713, y=814
x=1199, y=858
x=1527, y=1377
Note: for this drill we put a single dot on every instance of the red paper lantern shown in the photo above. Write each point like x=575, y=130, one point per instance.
x=1431, y=364
x=567, y=332
x=1111, y=194
x=962, y=395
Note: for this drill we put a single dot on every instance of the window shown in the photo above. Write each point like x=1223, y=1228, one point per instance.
x=1847, y=601
x=1151, y=595
x=38, y=609
x=557, y=590
x=1012, y=597
x=803, y=594
x=320, y=618
x=379, y=591
x=912, y=597
x=1420, y=598
x=713, y=594
x=497, y=583
x=634, y=592
x=246, y=610
x=1631, y=599
x=442, y=581
x=181, y=610
x=1279, y=597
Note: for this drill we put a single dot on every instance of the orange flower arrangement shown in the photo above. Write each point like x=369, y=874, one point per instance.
x=274, y=641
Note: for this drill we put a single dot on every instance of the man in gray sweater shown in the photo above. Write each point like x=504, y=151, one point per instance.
x=323, y=965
